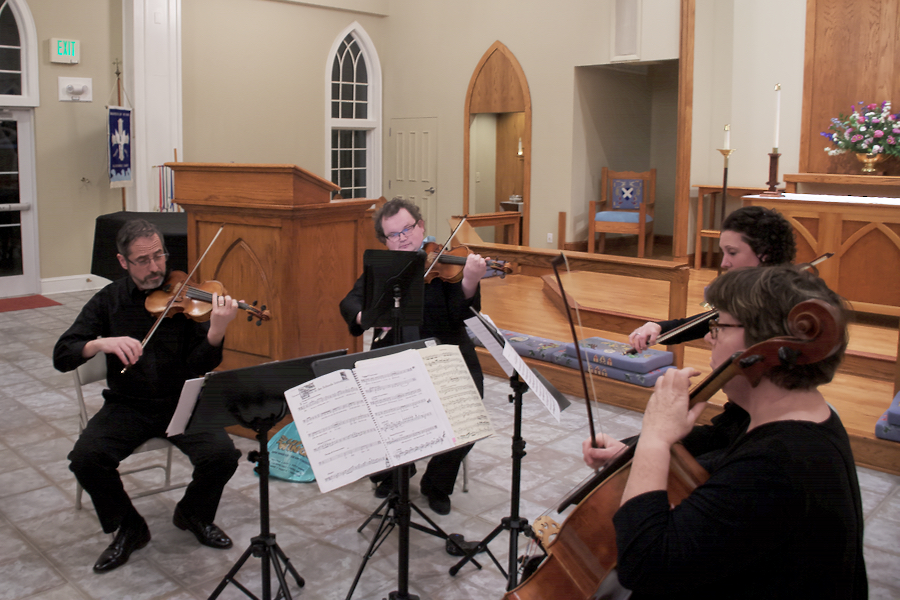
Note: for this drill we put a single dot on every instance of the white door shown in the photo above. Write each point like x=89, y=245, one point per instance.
x=412, y=171
x=19, y=274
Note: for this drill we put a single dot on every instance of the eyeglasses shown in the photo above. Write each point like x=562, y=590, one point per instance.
x=144, y=261
x=715, y=326
x=404, y=232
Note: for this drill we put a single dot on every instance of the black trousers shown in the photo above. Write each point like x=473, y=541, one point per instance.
x=117, y=430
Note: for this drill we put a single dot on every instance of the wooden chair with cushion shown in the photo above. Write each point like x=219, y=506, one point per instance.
x=626, y=206
x=95, y=370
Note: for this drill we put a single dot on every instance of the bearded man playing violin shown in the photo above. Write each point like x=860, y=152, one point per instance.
x=780, y=515
x=399, y=226
x=141, y=399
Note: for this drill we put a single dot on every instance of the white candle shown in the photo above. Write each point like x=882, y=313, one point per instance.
x=728, y=137
x=777, y=112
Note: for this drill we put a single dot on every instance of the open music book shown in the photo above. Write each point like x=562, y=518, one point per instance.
x=386, y=412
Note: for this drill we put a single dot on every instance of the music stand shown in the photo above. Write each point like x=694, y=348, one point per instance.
x=394, y=296
x=512, y=523
x=254, y=398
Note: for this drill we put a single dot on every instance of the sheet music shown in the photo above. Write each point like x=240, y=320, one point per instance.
x=386, y=412
x=490, y=342
x=405, y=406
x=533, y=382
x=186, y=403
x=341, y=440
x=458, y=393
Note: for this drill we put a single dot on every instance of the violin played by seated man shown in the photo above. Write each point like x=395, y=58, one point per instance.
x=780, y=515
x=141, y=399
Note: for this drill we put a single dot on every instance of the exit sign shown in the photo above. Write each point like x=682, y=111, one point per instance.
x=65, y=51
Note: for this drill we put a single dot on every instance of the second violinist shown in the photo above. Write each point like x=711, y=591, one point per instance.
x=139, y=403
x=399, y=226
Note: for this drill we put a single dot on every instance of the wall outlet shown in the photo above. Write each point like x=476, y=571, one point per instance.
x=549, y=238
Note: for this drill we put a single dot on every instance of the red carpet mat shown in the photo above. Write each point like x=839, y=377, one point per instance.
x=25, y=302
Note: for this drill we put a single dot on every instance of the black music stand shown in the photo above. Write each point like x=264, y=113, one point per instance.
x=512, y=523
x=254, y=398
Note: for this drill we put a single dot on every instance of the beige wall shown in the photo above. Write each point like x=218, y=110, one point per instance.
x=246, y=62
x=70, y=138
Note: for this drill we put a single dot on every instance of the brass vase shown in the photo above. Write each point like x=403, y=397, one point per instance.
x=869, y=161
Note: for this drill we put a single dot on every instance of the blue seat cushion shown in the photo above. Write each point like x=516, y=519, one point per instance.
x=616, y=216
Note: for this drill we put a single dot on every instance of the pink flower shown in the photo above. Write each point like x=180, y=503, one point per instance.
x=891, y=140
x=872, y=106
x=856, y=138
x=878, y=134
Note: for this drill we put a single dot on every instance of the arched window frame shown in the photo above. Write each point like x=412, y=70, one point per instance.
x=29, y=60
x=372, y=124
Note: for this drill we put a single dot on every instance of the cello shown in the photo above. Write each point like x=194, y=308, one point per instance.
x=583, y=553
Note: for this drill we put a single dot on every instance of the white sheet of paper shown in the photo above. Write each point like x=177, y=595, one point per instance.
x=458, y=393
x=533, y=382
x=490, y=343
x=329, y=411
x=394, y=385
x=186, y=403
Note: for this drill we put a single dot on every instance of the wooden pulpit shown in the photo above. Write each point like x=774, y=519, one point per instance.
x=285, y=245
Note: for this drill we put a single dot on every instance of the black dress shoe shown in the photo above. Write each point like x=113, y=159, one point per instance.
x=207, y=534
x=127, y=540
x=384, y=489
x=438, y=501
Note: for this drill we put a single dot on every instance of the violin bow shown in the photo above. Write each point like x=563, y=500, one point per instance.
x=174, y=296
x=447, y=243
x=561, y=259
x=712, y=314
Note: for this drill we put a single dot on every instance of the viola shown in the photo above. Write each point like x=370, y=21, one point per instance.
x=177, y=295
x=583, y=550
x=449, y=265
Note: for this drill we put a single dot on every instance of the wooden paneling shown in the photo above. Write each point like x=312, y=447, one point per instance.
x=852, y=55
x=285, y=244
x=855, y=233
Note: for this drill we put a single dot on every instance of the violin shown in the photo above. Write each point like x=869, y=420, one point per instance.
x=712, y=314
x=178, y=295
x=449, y=264
x=583, y=552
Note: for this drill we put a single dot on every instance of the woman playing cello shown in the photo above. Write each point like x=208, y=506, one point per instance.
x=781, y=515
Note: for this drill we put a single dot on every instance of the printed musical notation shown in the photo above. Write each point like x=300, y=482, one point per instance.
x=386, y=412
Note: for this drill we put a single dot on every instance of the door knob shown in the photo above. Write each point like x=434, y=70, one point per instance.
x=430, y=190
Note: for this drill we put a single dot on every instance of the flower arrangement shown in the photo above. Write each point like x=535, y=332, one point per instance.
x=869, y=129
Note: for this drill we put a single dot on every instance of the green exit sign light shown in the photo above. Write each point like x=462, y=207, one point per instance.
x=65, y=51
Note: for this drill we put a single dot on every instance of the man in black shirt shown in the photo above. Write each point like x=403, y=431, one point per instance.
x=399, y=226
x=140, y=402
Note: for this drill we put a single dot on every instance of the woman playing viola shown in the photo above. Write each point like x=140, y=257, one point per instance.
x=781, y=515
x=752, y=236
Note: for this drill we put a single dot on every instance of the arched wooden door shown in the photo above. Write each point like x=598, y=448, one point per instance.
x=499, y=87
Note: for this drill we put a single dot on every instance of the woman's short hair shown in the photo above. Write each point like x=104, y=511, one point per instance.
x=391, y=208
x=134, y=229
x=768, y=234
x=761, y=300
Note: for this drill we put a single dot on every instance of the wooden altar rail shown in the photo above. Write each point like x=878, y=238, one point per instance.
x=537, y=262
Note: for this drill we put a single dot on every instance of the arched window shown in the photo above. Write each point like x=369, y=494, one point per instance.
x=18, y=55
x=354, y=115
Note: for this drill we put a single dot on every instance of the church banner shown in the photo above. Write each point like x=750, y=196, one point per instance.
x=119, y=134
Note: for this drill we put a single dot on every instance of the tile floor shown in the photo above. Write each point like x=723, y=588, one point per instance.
x=47, y=547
